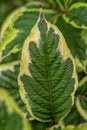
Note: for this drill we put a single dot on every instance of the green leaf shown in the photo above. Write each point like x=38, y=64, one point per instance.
x=81, y=98
x=56, y=127
x=84, y=34
x=5, y=8
x=11, y=117
x=76, y=41
x=76, y=16
x=13, y=38
x=36, y=125
x=8, y=81
x=73, y=118
x=79, y=127
x=74, y=1
x=47, y=77
x=71, y=127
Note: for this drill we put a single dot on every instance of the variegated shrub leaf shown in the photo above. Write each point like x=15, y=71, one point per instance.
x=11, y=117
x=79, y=127
x=81, y=98
x=8, y=81
x=74, y=1
x=56, y=127
x=37, y=125
x=71, y=127
x=73, y=118
x=76, y=40
x=47, y=77
x=77, y=15
x=13, y=34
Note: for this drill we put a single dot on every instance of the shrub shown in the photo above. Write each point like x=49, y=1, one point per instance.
x=43, y=67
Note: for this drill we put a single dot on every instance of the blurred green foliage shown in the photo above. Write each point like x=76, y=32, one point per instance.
x=6, y=6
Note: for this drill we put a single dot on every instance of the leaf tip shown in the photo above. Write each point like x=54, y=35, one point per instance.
x=41, y=14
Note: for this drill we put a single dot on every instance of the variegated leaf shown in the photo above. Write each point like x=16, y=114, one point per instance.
x=37, y=125
x=47, y=77
x=76, y=40
x=74, y=1
x=11, y=117
x=56, y=127
x=8, y=81
x=77, y=15
x=79, y=127
x=81, y=98
x=71, y=127
x=73, y=118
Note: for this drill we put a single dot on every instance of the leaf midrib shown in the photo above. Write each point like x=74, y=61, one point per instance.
x=48, y=79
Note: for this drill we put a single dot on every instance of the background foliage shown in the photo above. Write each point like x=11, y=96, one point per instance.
x=69, y=19
x=6, y=6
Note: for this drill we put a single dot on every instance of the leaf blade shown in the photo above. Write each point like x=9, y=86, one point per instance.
x=76, y=41
x=10, y=115
x=43, y=45
x=77, y=15
x=81, y=98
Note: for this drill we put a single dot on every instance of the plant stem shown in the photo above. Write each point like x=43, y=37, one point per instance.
x=59, y=3
x=55, y=18
x=52, y=2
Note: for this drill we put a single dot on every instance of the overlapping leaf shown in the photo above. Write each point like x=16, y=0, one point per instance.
x=79, y=127
x=8, y=80
x=73, y=118
x=76, y=41
x=11, y=117
x=77, y=15
x=47, y=76
x=74, y=1
x=71, y=127
x=81, y=98
x=56, y=127
x=36, y=125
